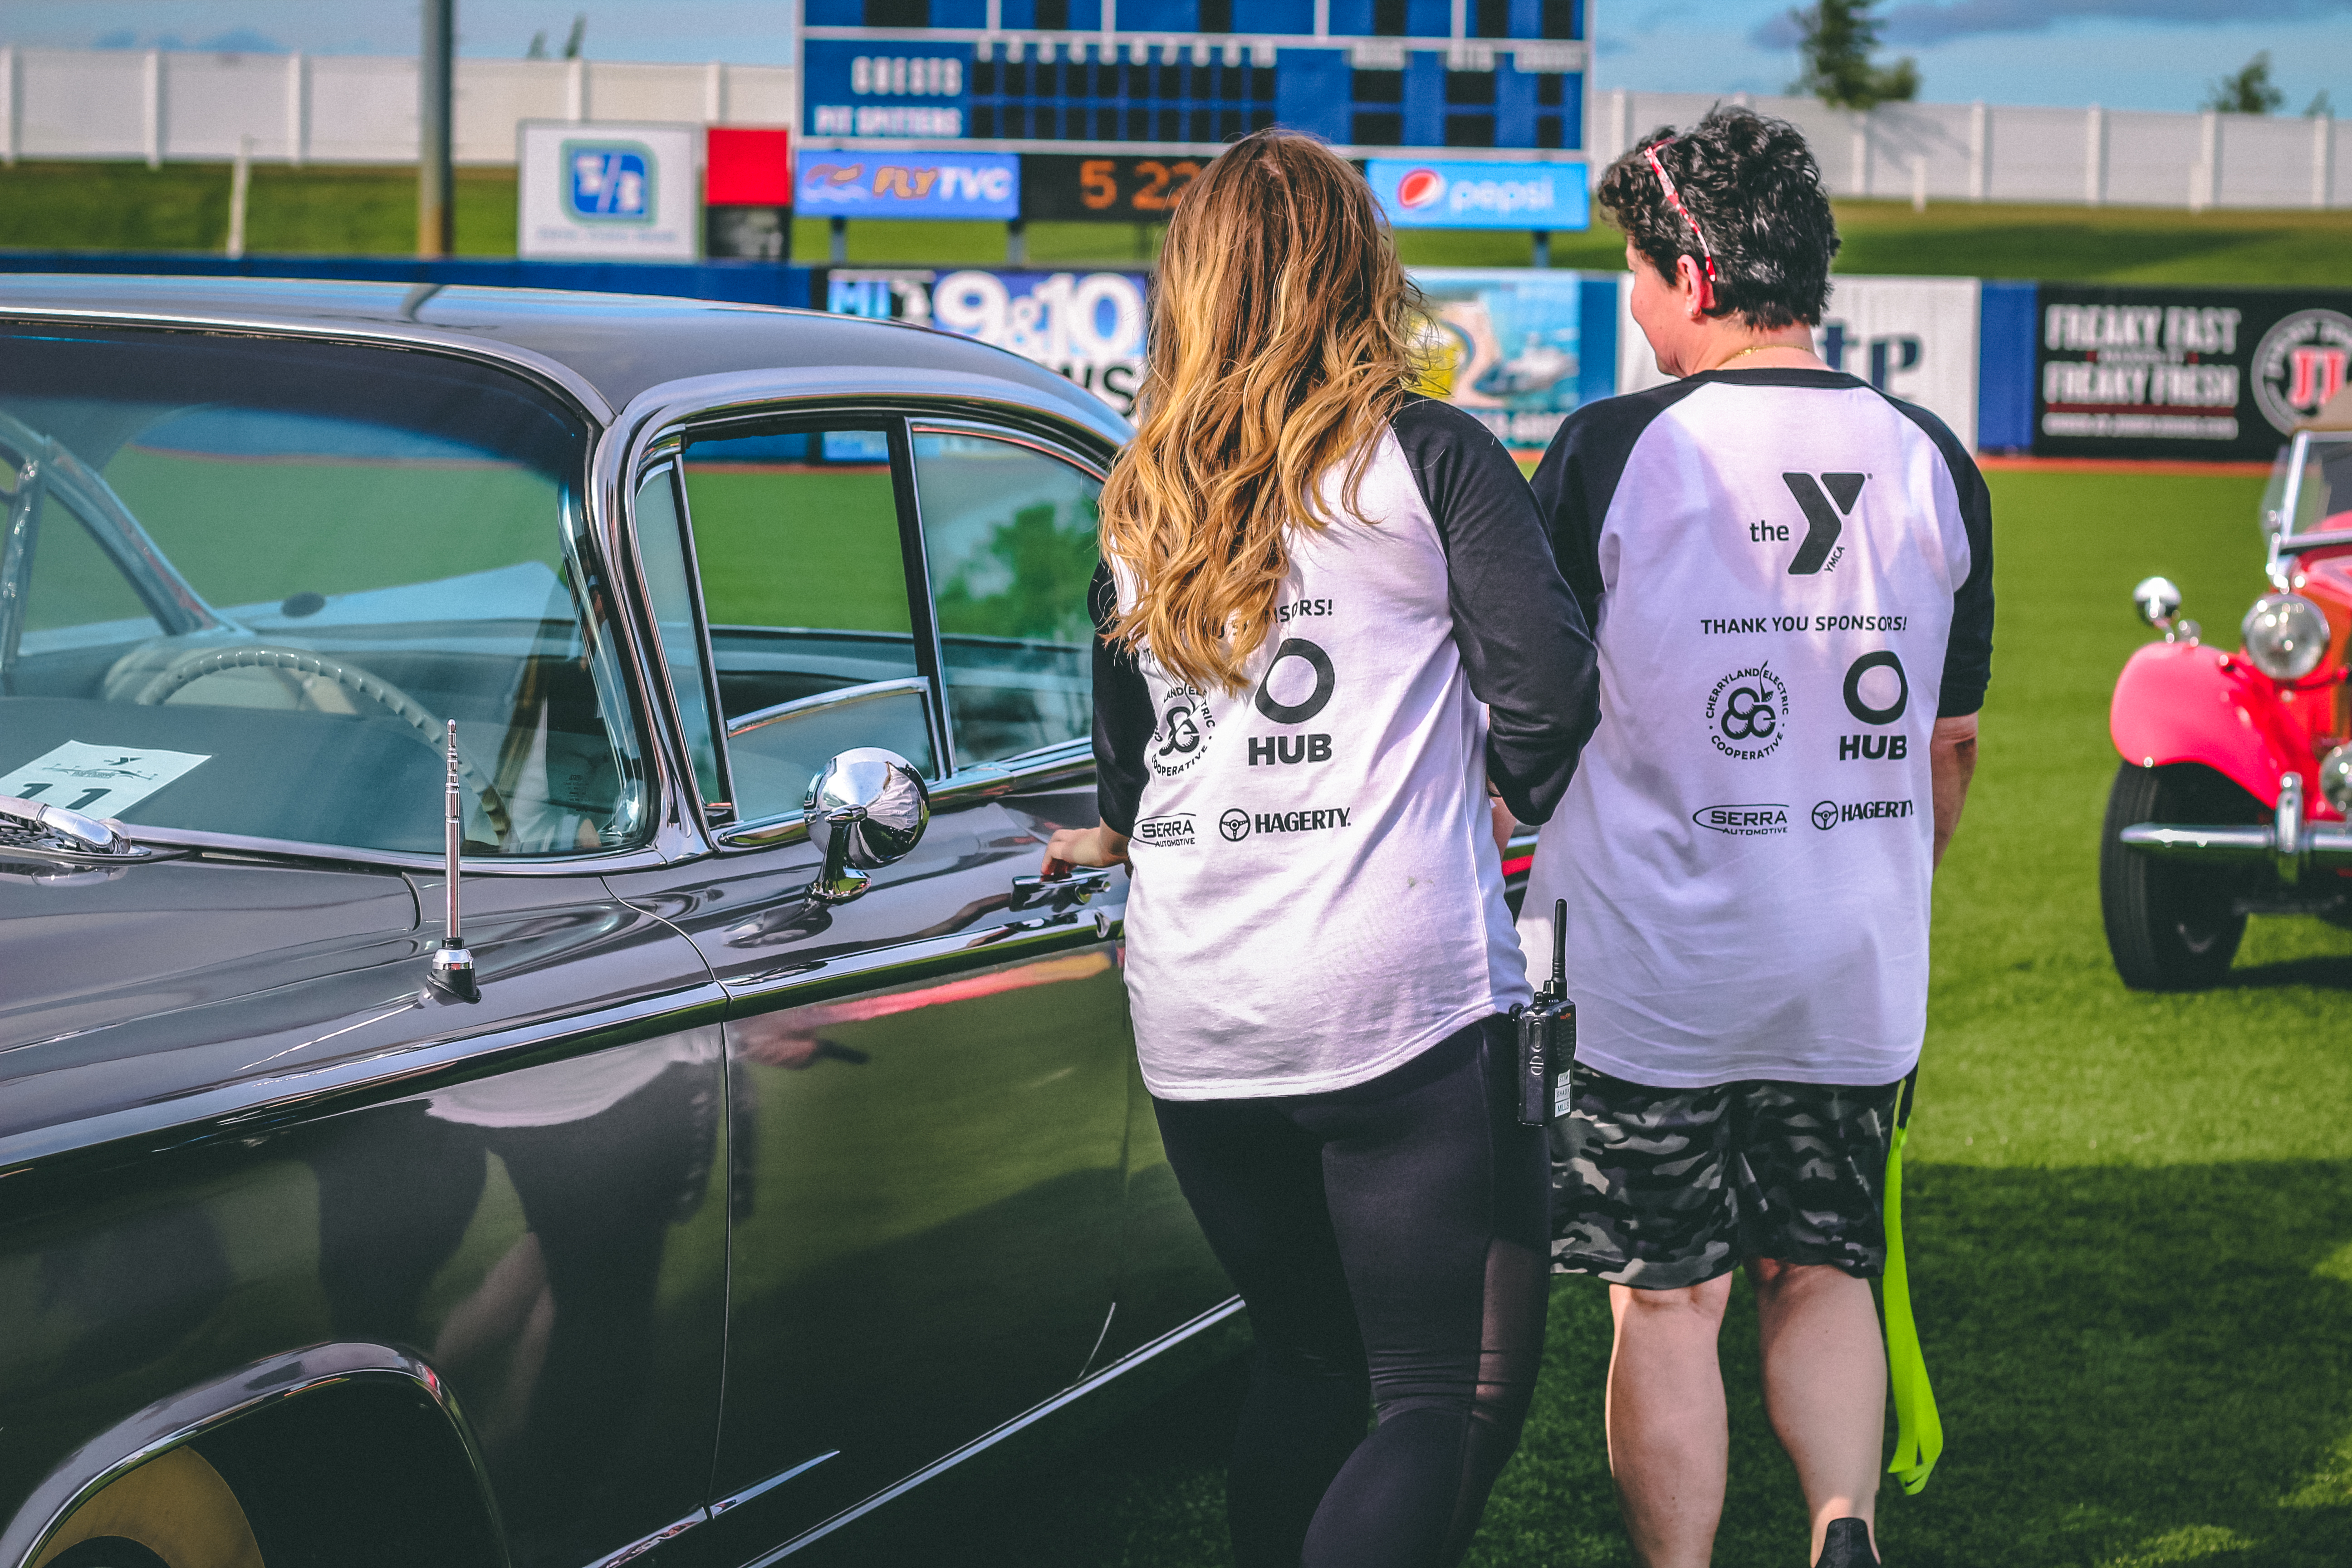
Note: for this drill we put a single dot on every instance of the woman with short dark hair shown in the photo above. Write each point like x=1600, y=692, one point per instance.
x=1329, y=616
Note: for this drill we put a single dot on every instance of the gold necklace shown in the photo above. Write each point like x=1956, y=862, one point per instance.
x=1751, y=349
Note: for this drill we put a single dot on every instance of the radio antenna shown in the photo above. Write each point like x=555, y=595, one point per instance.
x=453, y=966
x=1558, y=947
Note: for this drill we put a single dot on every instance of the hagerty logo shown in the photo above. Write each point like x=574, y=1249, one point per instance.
x=1748, y=713
x=1743, y=821
x=1830, y=813
x=1174, y=831
x=1237, y=824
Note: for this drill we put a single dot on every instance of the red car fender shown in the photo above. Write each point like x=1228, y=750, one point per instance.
x=2183, y=702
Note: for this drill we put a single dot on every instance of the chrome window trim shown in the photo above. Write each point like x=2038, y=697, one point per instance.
x=921, y=426
x=660, y=415
x=847, y=694
x=638, y=857
x=668, y=455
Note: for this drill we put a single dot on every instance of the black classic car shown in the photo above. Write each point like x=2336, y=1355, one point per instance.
x=527, y=1030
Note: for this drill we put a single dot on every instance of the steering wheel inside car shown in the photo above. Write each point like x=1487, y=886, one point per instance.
x=190, y=668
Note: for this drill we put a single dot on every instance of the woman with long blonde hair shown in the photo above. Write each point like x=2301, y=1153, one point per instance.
x=1328, y=617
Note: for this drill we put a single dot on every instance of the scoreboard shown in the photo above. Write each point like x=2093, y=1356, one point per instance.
x=1142, y=86
x=1056, y=186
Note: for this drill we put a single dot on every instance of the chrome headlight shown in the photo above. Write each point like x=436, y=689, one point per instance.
x=2336, y=779
x=2286, y=635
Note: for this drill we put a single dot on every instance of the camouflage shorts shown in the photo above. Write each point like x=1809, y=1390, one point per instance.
x=1661, y=1188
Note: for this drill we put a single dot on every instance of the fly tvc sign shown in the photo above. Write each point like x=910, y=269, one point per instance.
x=2199, y=374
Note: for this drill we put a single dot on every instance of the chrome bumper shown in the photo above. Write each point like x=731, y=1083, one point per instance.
x=2291, y=842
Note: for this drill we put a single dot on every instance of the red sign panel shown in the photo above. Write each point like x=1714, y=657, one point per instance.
x=750, y=167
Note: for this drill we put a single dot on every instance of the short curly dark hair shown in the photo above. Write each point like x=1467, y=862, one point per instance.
x=1751, y=185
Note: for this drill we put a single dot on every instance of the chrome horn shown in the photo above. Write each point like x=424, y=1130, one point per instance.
x=868, y=809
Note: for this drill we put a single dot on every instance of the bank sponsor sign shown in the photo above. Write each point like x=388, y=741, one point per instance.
x=2184, y=372
x=857, y=88
x=1087, y=326
x=909, y=184
x=1916, y=338
x=1464, y=195
x=607, y=190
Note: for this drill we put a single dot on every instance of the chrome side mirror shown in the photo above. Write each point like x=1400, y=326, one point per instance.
x=2159, y=603
x=865, y=810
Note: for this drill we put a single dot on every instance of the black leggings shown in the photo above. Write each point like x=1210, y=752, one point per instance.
x=1390, y=1240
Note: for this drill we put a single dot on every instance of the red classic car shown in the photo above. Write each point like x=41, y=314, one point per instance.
x=2236, y=781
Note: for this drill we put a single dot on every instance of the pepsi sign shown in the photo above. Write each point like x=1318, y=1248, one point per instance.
x=1482, y=194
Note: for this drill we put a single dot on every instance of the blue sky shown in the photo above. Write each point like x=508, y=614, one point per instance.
x=2126, y=54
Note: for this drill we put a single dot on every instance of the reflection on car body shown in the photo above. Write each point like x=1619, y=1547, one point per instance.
x=755, y=1184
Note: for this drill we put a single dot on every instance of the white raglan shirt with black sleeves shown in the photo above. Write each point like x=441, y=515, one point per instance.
x=1789, y=576
x=1317, y=896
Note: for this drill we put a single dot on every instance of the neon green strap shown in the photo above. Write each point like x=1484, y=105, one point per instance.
x=1919, y=1430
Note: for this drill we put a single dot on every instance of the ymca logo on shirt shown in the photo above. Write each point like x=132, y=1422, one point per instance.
x=1826, y=500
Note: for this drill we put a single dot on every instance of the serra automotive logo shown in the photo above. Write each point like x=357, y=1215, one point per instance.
x=1748, y=713
x=2301, y=364
x=1829, y=813
x=1174, y=831
x=1421, y=188
x=1744, y=821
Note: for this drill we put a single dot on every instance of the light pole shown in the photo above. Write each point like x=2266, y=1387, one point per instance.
x=435, y=220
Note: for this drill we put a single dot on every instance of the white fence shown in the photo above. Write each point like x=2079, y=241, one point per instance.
x=1980, y=152
x=343, y=109
x=347, y=109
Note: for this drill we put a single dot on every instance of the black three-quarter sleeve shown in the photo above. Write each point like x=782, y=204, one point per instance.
x=1578, y=478
x=1967, y=656
x=1123, y=717
x=1522, y=636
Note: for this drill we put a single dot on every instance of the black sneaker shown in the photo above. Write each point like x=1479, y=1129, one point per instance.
x=1846, y=1545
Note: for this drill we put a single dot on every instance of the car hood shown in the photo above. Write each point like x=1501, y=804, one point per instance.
x=89, y=948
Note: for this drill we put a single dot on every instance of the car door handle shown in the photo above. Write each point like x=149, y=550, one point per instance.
x=1061, y=892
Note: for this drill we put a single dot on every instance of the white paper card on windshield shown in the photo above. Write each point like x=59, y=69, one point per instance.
x=98, y=780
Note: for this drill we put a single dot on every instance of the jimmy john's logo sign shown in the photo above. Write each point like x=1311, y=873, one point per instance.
x=2216, y=374
x=2300, y=364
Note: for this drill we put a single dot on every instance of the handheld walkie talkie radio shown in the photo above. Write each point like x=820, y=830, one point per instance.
x=1547, y=1036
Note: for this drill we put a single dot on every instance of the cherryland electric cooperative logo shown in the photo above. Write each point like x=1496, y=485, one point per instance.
x=2300, y=364
x=1748, y=713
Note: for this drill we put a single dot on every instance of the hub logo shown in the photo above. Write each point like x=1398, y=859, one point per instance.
x=1174, y=831
x=1421, y=188
x=1830, y=813
x=1822, y=519
x=1876, y=693
x=610, y=182
x=1744, y=821
x=1277, y=751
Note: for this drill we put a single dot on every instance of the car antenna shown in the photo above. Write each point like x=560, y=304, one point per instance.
x=453, y=966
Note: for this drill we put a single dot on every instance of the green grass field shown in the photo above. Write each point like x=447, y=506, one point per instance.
x=2130, y=1216
x=324, y=210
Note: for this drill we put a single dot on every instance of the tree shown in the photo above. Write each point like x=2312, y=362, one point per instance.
x=1835, y=38
x=2247, y=91
x=2320, y=107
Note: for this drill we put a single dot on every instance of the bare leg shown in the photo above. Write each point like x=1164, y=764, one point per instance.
x=1669, y=1437
x=1824, y=1385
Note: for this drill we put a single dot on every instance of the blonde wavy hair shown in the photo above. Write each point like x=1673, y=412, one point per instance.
x=1283, y=339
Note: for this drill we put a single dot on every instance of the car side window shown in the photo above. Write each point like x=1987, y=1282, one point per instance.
x=1009, y=532
x=804, y=580
x=664, y=548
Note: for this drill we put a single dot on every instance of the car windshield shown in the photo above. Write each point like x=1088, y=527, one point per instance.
x=2322, y=480
x=245, y=582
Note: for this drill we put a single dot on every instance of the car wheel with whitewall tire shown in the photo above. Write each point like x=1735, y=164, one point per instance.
x=2172, y=925
x=174, y=1511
